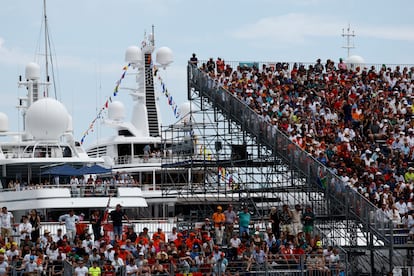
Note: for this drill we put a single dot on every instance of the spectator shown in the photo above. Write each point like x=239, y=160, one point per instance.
x=286, y=219
x=193, y=60
x=275, y=222
x=81, y=269
x=95, y=270
x=4, y=266
x=244, y=219
x=173, y=235
x=117, y=216
x=231, y=219
x=34, y=220
x=7, y=222
x=96, y=221
x=296, y=219
x=25, y=229
x=308, y=218
x=219, y=220
x=70, y=220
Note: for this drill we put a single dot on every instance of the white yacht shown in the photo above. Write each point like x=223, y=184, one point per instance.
x=29, y=155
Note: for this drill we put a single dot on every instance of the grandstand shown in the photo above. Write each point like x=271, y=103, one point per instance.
x=243, y=127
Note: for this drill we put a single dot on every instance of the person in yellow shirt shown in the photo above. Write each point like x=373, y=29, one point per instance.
x=95, y=270
x=409, y=175
x=219, y=220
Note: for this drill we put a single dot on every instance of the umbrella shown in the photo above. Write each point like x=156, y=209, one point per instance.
x=95, y=169
x=64, y=170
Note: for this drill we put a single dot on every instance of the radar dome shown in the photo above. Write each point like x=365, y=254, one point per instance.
x=133, y=55
x=355, y=61
x=32, y=71
x=4, y=122
x=164, y=56
x=70, y=124
x=47, y=119
x=116, y=111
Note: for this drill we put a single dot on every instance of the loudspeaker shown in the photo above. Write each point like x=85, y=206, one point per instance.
x=218, y=146
x=238, y=152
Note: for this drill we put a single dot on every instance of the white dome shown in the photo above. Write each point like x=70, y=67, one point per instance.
x=47, y=119
x=116, y=111
x=355, y=60
x=133, y=55
x=164, y=56
x=70, y=124
x=4, y=122
x=32, y=71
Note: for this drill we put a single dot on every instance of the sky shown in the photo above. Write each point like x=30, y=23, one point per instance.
x=89, y=38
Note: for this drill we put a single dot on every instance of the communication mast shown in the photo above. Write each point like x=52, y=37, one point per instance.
x=348, y=35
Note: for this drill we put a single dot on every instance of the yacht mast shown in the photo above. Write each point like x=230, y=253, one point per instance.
x=46, y=50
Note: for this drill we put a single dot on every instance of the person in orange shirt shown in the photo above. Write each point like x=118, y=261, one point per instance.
x=219, y=220
x=179, y=240
x=192, y=240
x=142, y=239
x=123, y=253
x=159, y=233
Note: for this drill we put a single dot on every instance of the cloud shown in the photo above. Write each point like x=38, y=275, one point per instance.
x=296, y=28
x=288, y=28
x=12, y=56
x=402, y=33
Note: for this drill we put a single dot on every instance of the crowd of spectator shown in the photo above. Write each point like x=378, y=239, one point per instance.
x=358, y=121
x=285, y=241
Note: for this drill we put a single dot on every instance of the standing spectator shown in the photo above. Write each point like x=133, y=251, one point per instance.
x=81, y=269
x=207, y=229
x=34, y=220
x=95, y=270
x=218, y=220
x=194, y=60
x=286, y=219
x=96, y=221
x=308, y=219
x=7, y=222
x=147, y=152
x=211, y=65
x=275, y=222
x=117, y=215
x=220, y=66
x=231, y=219
x=70, y=220
x=296, y=219
x=244, y=220
x=25, y=229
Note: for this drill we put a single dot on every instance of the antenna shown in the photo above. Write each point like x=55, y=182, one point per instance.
x=153, y=36
x=348, y=35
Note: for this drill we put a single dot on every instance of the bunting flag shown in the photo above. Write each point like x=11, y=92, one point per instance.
x=118, y=82
x=167, y=94
x=106, y=104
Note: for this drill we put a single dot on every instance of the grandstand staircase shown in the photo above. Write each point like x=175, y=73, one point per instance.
x=339, y=210
x=153, y=124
